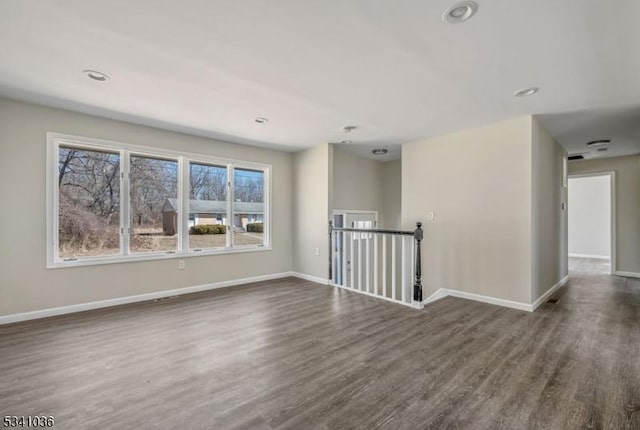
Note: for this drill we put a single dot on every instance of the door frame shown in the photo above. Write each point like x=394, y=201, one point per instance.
x=612, y=202
x=352, y=211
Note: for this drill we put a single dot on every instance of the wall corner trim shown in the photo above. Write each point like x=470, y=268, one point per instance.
x=80, y=307
x=439, y=294
x=550, y=292
x=627, y=274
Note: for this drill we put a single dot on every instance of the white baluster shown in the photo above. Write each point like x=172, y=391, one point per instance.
x=404, y=270
x=352, y=243
x=384, y=265
x=359, y=261
x=375, y=263
x=334, y=278
x=393, y=267
x=343, y=278
x=367, y=263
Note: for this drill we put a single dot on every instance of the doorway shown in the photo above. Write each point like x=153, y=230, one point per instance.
x=591, y=204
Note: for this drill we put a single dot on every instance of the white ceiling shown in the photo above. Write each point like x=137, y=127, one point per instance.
x=574, y=129
x=392, y=68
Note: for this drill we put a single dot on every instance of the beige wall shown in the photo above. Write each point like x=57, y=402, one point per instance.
x=26, y=285
x=478, y=184
x=549, y=220
x=392, y=194
x=627, y=193
x=357, y=182
x=361, y=183
x=311, y=195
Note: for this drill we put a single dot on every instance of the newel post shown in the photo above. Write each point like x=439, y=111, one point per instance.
x=417, y=286
x=330, y=251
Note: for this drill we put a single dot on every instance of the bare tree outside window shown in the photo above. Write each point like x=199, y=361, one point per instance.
x=153, y=182
x=89, y=202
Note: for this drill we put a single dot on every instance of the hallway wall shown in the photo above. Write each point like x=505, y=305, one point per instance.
x=478, y=184
x=549, y=219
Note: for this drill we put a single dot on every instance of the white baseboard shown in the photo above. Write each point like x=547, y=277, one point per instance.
x=444, y=292
x=311, y=278
x=599, y=257
x=24, y=316
x=491, y=300
x=628, y=274
x=549, y=293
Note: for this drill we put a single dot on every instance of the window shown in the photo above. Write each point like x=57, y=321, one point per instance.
x=112, y=202
x=363, y=225
x=153, y=187
x=207, y=202
x=248, y=207
x=88, y=202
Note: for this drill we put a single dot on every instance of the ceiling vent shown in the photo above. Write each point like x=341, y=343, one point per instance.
x=576, y=157
x=598, y=143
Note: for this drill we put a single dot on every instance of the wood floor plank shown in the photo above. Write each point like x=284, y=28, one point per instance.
x=291, y=354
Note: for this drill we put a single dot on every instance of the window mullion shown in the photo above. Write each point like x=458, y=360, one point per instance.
x=180, y=216
x=230, y=187
x=185, y=197
x=125, y=198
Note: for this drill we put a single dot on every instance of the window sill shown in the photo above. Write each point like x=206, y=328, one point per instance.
x=98, y=261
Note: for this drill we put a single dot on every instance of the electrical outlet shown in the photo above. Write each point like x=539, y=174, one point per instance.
x=430, y=216
x=317, y=251
x=181, y=264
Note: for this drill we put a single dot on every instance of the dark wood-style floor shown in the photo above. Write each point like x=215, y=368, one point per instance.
x=292, y=354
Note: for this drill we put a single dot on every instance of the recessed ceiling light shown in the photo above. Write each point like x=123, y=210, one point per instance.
x=526, y=92
x=379, y=151
x=460, y=12
x=261, y=120
x=95, y=75
x=344, y=142
x=600, y=142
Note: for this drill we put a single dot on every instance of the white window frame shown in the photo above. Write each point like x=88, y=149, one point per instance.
x=55, y=140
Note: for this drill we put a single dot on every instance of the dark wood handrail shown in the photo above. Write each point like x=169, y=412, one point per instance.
x=371, y=230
